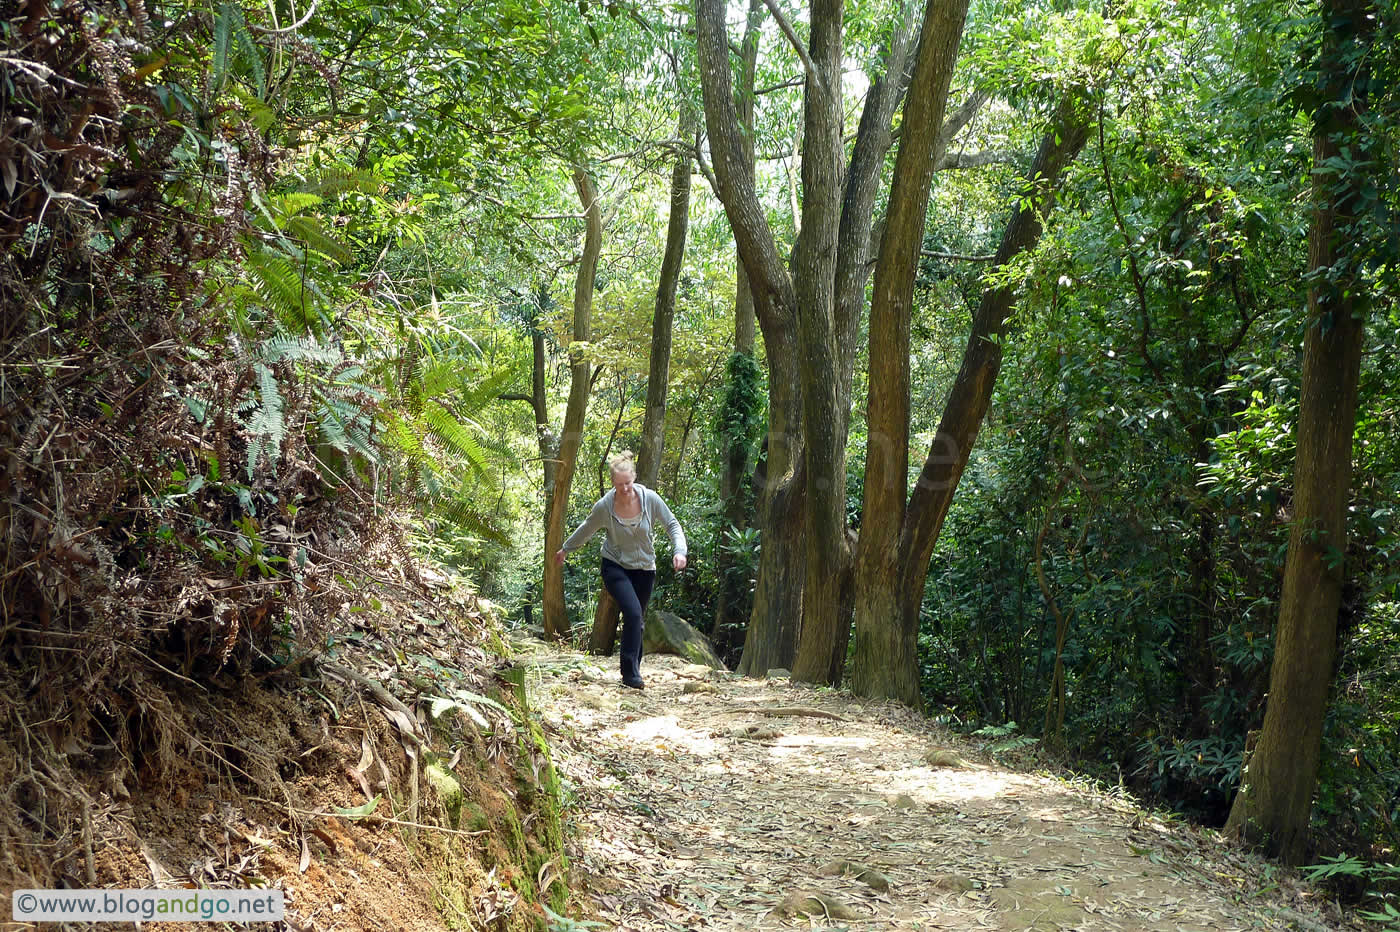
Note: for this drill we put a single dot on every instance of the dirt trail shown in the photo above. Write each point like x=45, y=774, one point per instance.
x=701, y=804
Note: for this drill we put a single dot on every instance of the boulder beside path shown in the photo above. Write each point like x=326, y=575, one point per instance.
x=670, y=634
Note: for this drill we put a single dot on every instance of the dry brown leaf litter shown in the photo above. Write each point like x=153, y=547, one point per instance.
x=700, y=809
x=297, y=753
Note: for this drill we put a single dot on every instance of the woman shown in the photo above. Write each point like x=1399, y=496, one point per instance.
x=628, y=513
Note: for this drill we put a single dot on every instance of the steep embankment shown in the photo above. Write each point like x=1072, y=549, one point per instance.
x=394, y=782
x=713, y=802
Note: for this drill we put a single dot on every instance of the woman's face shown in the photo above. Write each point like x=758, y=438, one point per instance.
x=622, y=480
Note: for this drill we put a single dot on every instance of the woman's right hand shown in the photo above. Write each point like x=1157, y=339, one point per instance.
x=559, y=558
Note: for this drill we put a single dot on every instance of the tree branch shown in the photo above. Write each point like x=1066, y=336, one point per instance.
x=1246, y=318
x=265, y=31
x=705, y=170
x=961, y=117
x=873, y=139
x=807, y=64
x=733, y=174
x=790, y=82
x=956, y=257
x=955, y=160
x=1139, y=286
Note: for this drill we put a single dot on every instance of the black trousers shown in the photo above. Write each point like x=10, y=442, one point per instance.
x=632, y=590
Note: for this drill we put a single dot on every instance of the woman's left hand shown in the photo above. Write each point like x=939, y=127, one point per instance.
x=678, y=561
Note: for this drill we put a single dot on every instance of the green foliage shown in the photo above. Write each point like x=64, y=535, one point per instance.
x=738, y=418
x=434, y=427
x=337, y=404
x=1142, y=428
x=1004, y=737
x=390, y=223
x=235, y=47
x=742, y=546
x=1383, y=898
x=266, y=424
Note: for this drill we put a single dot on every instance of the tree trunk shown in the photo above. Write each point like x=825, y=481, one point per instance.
x=828, y=327
x=771, y=639
x=732, y=598
x=819, y=301
x=659, y=371
x=607, y=614
x=885, y=662
x=556, y=617
x=891, y=580
x=874, y=137
x=1274, y=803
x=772, y=630
x=814, y=283
x=539, y=400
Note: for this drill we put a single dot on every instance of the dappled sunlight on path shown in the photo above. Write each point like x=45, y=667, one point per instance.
x=710, y=801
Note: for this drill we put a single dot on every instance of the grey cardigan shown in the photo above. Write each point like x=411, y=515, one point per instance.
x=629, y=545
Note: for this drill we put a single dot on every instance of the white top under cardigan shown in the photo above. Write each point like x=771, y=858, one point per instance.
x=629, y=542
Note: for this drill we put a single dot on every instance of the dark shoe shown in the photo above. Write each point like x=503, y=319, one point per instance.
x=633, y=684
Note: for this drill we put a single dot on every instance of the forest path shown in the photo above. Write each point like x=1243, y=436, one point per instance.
x=702, y=805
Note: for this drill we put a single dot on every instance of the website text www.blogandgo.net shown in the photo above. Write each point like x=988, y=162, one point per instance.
x=147, y=905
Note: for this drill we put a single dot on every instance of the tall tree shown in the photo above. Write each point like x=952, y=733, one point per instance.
x=822, y=651
x=606, y=616
x=771, y=638
x=556, y=616
x=738, y=410
x=897, y=539
x=1274, y=802
x=659, y=361
x=805, y=309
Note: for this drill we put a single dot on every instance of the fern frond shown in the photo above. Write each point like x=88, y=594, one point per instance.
x=267, y=426
x=410, y=370
x=399, y=436
x=485, y=393
x=255, y=109
x=453, y=433
x=223, y=31
x=346, y=380
x=464, y=514
x=300, y=349
x=443, y=378
x=280, y=285
x=338, y=178
x=435, y=377
x=249, y=52
x=310, y=231
x=347, y=427
x=291, y=203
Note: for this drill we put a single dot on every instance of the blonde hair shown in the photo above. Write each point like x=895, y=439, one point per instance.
x=622, y=461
